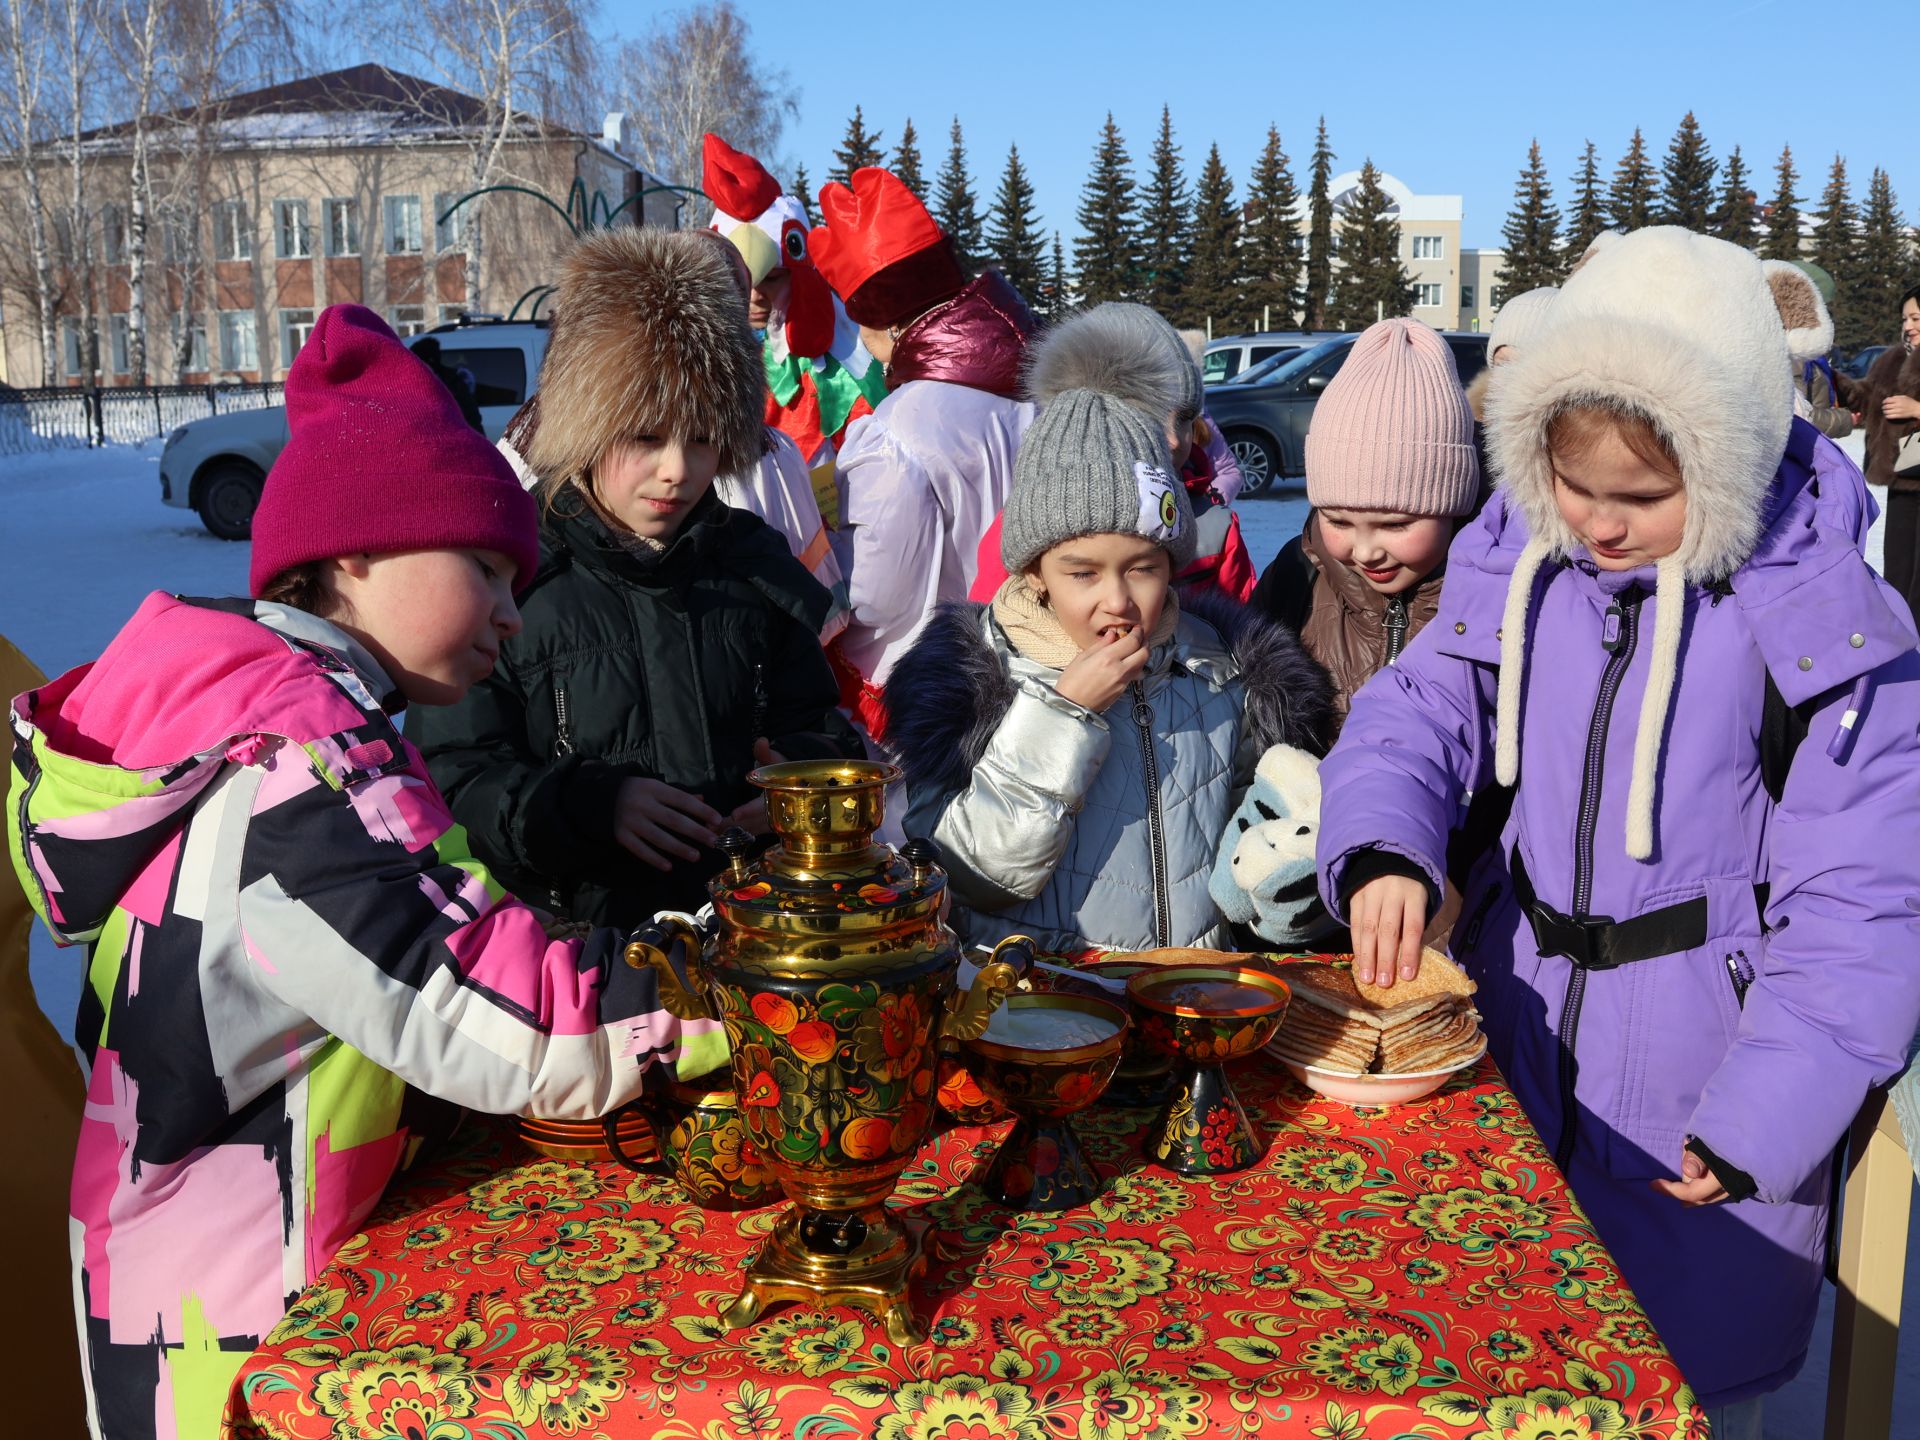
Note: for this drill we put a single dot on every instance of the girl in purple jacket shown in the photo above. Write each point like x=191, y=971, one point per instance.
x=1696, y=942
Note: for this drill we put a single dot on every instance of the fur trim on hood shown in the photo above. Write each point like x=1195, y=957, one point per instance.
x=1803, y=314
x=1477, y=395
x=960, y=687
x=650, y=337
x=1680, y=328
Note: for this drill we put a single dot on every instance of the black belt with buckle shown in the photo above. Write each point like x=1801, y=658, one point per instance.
x=1597, y=942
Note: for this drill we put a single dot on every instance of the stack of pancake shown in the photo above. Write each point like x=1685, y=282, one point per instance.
x=1420, y=1025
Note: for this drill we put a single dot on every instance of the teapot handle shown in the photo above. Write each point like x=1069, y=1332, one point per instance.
x=969, y=1011
x=651, y=947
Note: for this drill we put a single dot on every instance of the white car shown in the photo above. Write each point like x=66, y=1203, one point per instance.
x=217, y=466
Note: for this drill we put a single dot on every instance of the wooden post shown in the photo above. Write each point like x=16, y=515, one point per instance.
x=1873, y=1256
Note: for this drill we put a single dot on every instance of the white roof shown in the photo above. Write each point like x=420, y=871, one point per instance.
x=1405, y=204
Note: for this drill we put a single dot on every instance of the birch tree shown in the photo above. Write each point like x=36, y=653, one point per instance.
x=24, y=27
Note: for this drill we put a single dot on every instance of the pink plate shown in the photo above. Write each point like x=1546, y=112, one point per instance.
x=1378, y=1090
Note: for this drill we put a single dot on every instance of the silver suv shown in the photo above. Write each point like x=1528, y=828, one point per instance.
x=217, y=466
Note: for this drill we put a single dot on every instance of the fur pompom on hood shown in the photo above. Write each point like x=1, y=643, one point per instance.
x=650, y=336
x=960, y=688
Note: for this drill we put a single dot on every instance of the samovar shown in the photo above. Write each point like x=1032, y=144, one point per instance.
x=835, y=975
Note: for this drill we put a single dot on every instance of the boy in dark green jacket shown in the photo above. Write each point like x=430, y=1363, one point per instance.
x=670, y=641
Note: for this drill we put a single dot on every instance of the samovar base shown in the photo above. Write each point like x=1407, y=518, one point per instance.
x=873, y=1273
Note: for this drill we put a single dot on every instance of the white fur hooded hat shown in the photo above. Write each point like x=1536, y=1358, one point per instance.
x=1683, y=330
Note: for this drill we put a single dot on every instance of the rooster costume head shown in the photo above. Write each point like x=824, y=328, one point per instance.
x=769, y=229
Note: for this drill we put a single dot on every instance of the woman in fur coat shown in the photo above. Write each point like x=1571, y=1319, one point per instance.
x=1888, y=404
x=671, y=641
x=1077, y=747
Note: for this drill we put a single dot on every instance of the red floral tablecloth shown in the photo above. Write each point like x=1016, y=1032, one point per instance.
x=1383, y=1274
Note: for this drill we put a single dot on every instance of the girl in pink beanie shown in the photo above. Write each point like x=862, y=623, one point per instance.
x=284, y=928
x=1392, y=472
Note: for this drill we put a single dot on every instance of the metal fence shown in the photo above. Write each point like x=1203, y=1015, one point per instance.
x=63, y=417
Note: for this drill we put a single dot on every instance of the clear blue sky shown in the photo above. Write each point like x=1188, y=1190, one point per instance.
x=1444, y=95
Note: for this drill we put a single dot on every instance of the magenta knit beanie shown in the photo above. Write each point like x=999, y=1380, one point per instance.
x=1393, y=431
x=378, y=459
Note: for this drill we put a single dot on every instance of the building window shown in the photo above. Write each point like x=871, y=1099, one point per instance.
x=403, y=224
x=1429, y=247
x=449, y=234
x=295, y=326
x=1466, y=297
x=239, y=341
x=71, y=348
x=113, y=235
x=232, y=235
x=120, y=341
x=343, y=227
x=176, y=234
x=408, y=319
x=294, y=235
x=1427, y=297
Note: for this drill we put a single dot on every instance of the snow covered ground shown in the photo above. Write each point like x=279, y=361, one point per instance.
x=85, y=537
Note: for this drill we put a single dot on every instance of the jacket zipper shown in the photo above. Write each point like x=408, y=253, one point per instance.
x=1740, y=972
x=1156, y=832
x=1470, y=935
x=762, y=705
x=1620, y=632
x=563, y=721
x=1396, y=624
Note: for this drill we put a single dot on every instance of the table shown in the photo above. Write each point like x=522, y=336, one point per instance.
x=1382, y=1274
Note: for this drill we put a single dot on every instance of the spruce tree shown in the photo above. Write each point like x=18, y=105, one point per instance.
x=1782, y=240
x=1531, y=234
x=1062, y=299
x=1106, y=254
x=1836, y=231
x=1373, y=284
x=1589, y=215
x=1319, y=279
x=1882, y=270
x=1165, y=225
x=1688, y=171
x=1013, y=231
x=956, y=207
x=1213, y=274
x=803, y=192
x=1735, y=214
x=1270, y=249
x=1630, y=201
x=860, y=148
x=906, y=161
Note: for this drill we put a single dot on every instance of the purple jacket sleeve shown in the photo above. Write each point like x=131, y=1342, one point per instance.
x=1417, y=743
x=1837, y=999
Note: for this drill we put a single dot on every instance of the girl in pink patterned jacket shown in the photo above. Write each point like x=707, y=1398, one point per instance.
x=284, y=926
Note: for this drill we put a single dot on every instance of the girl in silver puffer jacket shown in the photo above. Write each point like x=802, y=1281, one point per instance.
x=1077, y=747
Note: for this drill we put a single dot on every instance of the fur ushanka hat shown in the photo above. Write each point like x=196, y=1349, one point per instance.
x=649, y=337
x=1680, y=329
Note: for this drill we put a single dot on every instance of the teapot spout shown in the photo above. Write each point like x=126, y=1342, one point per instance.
x=683, y=991
x=969, y=1011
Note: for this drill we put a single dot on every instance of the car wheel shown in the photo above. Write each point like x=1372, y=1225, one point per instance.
x=1258, y=459
x=229, y=492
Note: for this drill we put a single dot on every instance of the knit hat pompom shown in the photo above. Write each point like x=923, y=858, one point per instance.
x=1392, y=432
x=1120, y=349
x=379, y=459
x=1091, y=464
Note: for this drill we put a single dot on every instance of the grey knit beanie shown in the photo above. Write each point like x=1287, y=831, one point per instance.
x=1091, y=464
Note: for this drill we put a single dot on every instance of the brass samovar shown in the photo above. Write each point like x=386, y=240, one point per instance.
x=835, y=975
